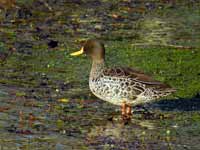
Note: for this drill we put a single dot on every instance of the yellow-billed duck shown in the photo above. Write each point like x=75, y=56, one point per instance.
x=122, y=86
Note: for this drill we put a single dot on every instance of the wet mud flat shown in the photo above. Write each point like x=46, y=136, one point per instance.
x=45, y=102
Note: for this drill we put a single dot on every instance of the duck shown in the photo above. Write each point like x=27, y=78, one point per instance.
x=122, y=86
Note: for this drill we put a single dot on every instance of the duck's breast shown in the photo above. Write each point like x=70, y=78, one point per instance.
x=113, y=89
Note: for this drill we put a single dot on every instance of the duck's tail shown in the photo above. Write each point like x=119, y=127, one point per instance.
x=163, y=93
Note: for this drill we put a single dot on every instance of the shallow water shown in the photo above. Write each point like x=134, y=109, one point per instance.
x=44, y=95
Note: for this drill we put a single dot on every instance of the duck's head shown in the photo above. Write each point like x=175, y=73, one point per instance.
x=92, y=48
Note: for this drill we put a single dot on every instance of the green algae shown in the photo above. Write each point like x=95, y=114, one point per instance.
x=158, y=38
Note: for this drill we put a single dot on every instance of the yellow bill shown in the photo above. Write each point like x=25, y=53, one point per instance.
x=78, y=52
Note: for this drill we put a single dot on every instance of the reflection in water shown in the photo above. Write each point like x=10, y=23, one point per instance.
x=138, y=134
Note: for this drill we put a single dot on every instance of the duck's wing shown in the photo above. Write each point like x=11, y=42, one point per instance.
x=135, y=75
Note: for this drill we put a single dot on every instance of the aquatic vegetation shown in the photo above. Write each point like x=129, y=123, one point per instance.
x=44, y=95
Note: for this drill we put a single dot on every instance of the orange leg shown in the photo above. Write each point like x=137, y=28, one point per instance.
x=123, y=109
x=126, y=111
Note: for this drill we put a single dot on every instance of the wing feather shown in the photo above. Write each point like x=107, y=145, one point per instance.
x=136, y=75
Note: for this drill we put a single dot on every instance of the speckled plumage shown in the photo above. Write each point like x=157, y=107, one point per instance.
x=118, y=85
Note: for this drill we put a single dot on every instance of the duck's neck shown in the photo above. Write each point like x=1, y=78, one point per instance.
x=97, y=68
